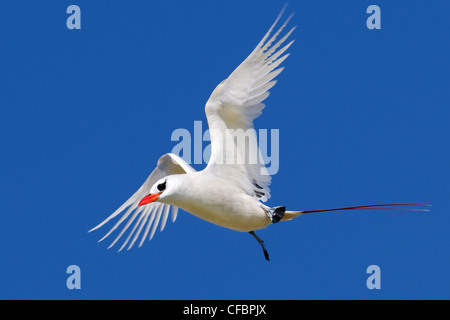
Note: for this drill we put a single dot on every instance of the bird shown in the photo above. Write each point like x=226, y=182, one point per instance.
x=231, y=190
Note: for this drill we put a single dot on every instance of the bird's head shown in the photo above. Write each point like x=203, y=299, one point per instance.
x=163, y=189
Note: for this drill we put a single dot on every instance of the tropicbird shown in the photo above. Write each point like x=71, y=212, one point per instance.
x=229, y=191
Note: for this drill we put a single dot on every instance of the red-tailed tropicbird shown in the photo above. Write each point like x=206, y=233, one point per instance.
x=229, y=191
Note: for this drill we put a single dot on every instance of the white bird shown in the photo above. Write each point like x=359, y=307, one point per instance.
x=229, y=191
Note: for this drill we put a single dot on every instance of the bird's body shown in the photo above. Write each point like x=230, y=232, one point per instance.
x=229, y=192
x=224, y=205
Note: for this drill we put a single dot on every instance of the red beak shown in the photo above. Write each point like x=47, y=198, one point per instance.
x=149, y=198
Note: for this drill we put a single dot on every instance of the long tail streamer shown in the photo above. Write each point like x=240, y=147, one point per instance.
x=391, y=206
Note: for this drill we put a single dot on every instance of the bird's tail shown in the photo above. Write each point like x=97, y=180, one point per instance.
x=289, y=215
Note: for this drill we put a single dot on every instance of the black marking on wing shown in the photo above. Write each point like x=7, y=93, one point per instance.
x=259, y=194
x=257, y=185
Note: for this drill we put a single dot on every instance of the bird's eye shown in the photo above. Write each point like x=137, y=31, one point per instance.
x=161, y=187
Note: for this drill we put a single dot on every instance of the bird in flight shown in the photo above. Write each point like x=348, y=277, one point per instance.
x=229, y=192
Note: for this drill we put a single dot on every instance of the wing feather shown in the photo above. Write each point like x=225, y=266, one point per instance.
x=144, y=215
x=156, y=222
x=168, y=164
x=235, y=104
x=137, y=224
x=149, y=224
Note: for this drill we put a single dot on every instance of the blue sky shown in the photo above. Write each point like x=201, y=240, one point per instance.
x=363, y=118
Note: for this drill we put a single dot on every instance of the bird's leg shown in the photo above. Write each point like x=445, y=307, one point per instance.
x=266, y=254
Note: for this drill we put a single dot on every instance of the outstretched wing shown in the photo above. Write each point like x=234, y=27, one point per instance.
x=233, y=106
x=152, y=213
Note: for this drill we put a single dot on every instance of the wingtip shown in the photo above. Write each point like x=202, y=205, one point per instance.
x=283, y=9
x=94, y=228
x=104, y=237
x=289, y=18
x=101, y=224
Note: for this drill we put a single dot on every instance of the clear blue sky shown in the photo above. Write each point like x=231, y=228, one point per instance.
x=363, y=118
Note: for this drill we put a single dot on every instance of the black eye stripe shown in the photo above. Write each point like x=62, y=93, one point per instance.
x=161, y=187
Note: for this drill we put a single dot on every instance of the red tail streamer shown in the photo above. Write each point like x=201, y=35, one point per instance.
x=376, y=207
